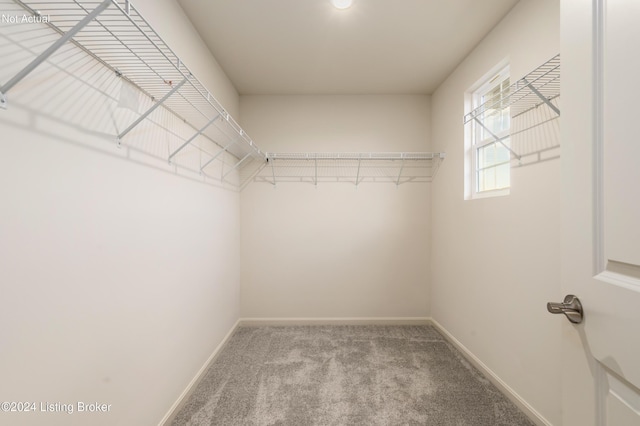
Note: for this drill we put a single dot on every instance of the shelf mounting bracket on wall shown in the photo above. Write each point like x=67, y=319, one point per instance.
x=51, y=50
x=541, y=96
x=236, y=166
x=153, y=108
x=273, y=172
x=198, y=133
x=400, y=172
x=223, y=150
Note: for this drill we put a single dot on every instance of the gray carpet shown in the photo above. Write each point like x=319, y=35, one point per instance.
x=344, y=375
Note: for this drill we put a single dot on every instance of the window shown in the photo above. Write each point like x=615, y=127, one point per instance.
x=488, y=144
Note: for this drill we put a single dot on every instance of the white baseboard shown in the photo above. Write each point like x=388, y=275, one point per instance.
x=248, y=322
x=527, y=409
x=191, y=387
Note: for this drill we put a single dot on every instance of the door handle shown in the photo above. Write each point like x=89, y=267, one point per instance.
x=571, y=308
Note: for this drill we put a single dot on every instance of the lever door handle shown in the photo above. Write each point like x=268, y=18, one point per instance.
x=571, y=308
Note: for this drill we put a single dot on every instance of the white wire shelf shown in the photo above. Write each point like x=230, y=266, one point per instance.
x=116, y=36
x=352, y=167
x=75, y=61
x=538, y=89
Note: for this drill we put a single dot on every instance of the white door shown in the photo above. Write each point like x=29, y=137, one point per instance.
x=601, y=210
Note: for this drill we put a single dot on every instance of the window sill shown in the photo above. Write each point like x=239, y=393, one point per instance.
x=489, y=194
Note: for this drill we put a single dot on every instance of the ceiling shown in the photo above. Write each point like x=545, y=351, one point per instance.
x=374, y=47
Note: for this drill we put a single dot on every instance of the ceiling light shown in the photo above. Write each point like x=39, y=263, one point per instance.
x=341, y=4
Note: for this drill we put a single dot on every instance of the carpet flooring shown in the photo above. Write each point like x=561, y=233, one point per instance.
x=344, y=375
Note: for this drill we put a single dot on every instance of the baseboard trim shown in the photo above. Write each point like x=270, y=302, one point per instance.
x=191, y=387
x=513, y=396
x=248, y=322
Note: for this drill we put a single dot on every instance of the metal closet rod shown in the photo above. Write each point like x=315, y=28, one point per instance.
x=196, y=98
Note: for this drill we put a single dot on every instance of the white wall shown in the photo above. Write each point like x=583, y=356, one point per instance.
x=171, y=23
x=118, y=279
x=335, y=251
x=496, y=261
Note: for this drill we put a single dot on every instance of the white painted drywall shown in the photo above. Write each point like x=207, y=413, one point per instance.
x=171, y=23
x=496, y=261
x=117, y=279
x=335, y=251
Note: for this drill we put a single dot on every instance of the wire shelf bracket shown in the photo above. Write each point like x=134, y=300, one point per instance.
x=173, y=154
x=540, y=87
x=153, y=108
x=51, y=50
x=400, y=172
x=236, y=166
x=219, y=153
x=541, y=96
x=273, y=173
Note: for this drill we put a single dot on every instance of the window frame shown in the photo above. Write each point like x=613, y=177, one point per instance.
x=473, y=99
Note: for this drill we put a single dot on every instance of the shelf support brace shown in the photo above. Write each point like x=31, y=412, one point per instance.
x=315, y=161
x=499, y=140
x=401, y=169
x=216, y=156
x=236, y=166
x=153, y=108
x=51, y=50
x=358, y=173
x=541, y=96
x=173, y=154
x=273, y=172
